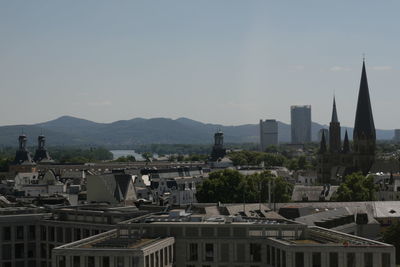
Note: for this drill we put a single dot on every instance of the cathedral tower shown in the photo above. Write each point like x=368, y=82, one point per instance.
x=364, y=135
x=334, y=131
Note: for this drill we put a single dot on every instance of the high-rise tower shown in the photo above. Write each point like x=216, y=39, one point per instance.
x=364, y=135
x=300, y=119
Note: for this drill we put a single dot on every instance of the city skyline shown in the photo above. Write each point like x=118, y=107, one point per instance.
x=230, y=63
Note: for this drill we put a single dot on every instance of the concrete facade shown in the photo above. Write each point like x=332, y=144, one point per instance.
x=268, y=134
x=300, y=124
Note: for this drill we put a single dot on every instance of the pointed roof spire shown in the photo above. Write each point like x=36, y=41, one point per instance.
x=364, y=122
x=334, y=112
x=346, y=143
x=322, y=147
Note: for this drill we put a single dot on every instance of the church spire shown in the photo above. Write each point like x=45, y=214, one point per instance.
x=334, y=112
x=346, y=143
x=364, y=127
x=322, y=148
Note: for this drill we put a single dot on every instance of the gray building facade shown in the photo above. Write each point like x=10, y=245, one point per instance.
x=300, y=124
x=268, y=133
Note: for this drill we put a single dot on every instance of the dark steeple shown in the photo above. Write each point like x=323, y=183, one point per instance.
x=41, y=154
x=364, y=136
x=322, y=147
x=364, y=127
x=334, y=112
x=346, y=143
x=22, y=156
x=218, y=150
x=334, y=131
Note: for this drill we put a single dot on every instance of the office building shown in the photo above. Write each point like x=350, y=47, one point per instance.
x=300, y=124
x=194, y=240
x=268, y=134
x=396, y=136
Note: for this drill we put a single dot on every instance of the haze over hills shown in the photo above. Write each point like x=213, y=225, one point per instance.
x=71, y=131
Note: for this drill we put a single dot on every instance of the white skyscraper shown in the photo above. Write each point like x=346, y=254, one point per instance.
x=268, y=133
x=301, y=124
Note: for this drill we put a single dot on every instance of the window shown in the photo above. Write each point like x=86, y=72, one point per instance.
x=386, y=260
x=136, y=261
x=170, y=254
x=278, y=257
x=19, y=233
x=193, y=254
x=106, y=261
x=299, y=259
x=147, y=261
x=283, y=258
x=43, y=233
x=166, y=256
x=273, y=256
x=6, y=252
x=61, y=261
x=268, y=254
x=368, y=259
x=32, y=250
x=225, y=252
x=51, y=234
x=77, y=261
x=255, y=252
x=333, y=259
x=86, y=233
x=162, y=257
x=316, y=259
x=157, y=260
x=209, y=252
x=240, y=253
x=120, y=261
x=32, y=232
x=50, y=250
x=68, y=235
x=43, y=251
x=60, y=235
x=351, y=259
x=19, y=251
x=6, y=233
x=90, y=261
x=77, y=234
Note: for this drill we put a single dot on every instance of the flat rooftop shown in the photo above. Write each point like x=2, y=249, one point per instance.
x=120, y=242
x=321, y=236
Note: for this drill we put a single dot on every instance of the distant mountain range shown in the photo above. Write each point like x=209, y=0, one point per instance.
x=70, y=131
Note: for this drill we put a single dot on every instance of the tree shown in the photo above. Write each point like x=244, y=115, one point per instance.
x=356, y=187
x=301, y=162
x=230, y=186
x=128, y=158
x=4, y=164
x=224, y=186
x=391, y=236
x=147, y=156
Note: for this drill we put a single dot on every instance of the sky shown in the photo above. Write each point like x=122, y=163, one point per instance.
x=227, y=61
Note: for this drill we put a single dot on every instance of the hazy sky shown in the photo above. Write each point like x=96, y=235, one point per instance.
x=229, y=62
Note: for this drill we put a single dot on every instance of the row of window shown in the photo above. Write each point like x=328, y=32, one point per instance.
x=350, y=259
x=19, y=232
x=161, y=258
x=255, y=253
x=89, y=261
x=56, y=234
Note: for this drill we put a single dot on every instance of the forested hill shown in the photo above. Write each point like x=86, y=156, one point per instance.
x=70, y=131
